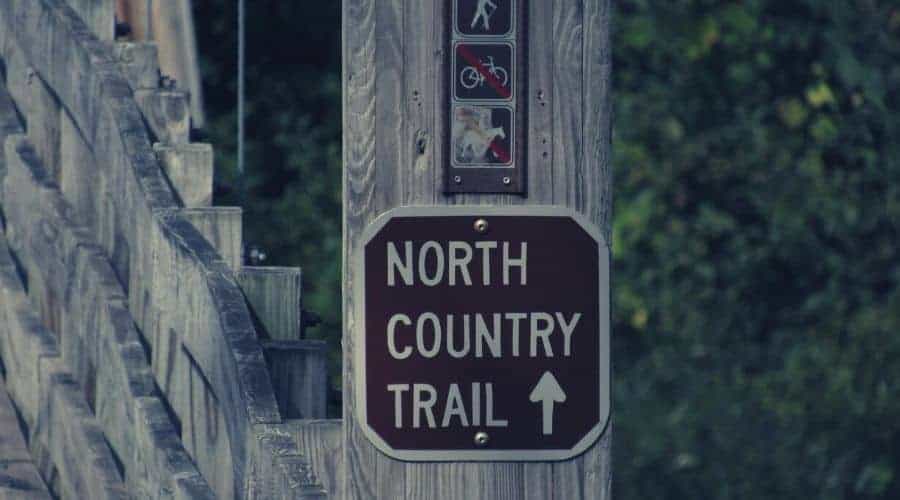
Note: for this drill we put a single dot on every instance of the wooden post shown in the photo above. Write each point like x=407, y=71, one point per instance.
x=395, y=114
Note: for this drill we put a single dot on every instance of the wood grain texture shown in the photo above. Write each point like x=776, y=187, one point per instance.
x=359, y=186
x=139, y=62
x=419, y=142
x=322, y=442
x=598, y=113
x=189, y=169
x=568, y=50
x=299, y=376
x=43, y=118
x=274, y=295
x=395, y=114
x=223, y=227
x=99, y=15
x=167, y=113
x=539, y=103
x=20, y=477
x=390, y=166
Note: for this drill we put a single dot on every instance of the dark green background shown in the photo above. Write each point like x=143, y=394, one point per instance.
x=757, y=197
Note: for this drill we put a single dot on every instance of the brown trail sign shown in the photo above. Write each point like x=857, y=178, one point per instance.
x=488, y=178
x=485, y=334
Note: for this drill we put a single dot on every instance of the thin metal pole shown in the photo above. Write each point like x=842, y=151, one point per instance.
x=240, y=112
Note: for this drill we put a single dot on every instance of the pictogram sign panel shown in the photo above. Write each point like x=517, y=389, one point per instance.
x=485, y=112
x=484, y=17
x=484, y=71
x=483, y=136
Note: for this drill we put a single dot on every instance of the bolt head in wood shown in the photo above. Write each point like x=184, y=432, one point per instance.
x=457, y=179
x=481, y=226
x=481, y=438
x=507, y=181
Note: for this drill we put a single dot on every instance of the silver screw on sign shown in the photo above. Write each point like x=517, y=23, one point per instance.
x=481, y=226
x=481, y=438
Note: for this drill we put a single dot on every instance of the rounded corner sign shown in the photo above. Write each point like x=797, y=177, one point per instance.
x=483, y=334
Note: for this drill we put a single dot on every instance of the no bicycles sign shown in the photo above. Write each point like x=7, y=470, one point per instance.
x=486, y=142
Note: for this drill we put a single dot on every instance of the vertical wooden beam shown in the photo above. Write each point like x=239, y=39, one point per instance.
x=223, y=227
x=275, y=298
x=167, y=113
x=299, y=376
x=43, y=123
x=394, y=104
x=189, y=168
x=362, y=461
x=139, y=62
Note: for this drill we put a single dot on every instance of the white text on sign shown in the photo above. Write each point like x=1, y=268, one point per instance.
x=428, y=335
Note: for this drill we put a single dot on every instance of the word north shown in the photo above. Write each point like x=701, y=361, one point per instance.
x=451, y=261
x=420, y=405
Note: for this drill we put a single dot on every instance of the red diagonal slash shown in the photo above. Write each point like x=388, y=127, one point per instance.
x=492, y=80
x=501, y=153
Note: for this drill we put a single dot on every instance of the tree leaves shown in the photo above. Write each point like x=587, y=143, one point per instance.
x=756, y=263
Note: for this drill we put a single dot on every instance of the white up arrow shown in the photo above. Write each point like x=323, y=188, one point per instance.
x=547, y=391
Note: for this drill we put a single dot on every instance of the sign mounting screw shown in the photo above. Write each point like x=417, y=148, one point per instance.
x=507, y=181
x=481, y=226
x=457, y=179
x=481, y=438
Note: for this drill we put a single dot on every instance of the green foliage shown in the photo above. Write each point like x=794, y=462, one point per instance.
x=757, y=161
x=291, y=190
x=756, y=249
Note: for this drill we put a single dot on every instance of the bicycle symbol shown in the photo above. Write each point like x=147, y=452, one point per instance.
x=471, y=77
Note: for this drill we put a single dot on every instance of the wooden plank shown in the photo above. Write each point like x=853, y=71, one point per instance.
x=419, y=142
x=190, y=170
x=98, y=15
x=19, y=477
x=598, y=113
x=274, y=295
x=358, y=32
x=539, y=103
x=167, y=113
x=391, y=173
x=299, y=376
x=390, y=91
x=322, y=442
x=43, y=123
x=223, y=228
x=596, y=464
x=139, y=62
x=567, y=57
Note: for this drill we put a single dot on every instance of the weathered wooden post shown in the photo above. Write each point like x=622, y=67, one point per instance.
x=477, y=198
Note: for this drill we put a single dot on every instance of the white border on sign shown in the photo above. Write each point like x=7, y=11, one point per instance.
x=486, y=455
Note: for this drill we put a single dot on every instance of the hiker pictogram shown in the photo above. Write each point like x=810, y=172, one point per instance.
x=484, y=17
x=481, y=12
